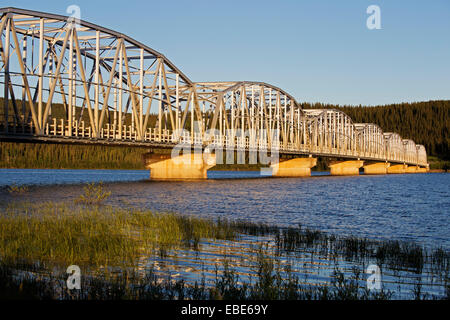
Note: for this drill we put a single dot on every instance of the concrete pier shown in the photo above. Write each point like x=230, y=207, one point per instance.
x=191, y=166
x=344, y=168
x=376, y=168
x=397, y=168
x=298, y=167
x=411, y=169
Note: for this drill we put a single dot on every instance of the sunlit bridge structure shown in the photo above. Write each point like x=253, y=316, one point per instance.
x=68, y=81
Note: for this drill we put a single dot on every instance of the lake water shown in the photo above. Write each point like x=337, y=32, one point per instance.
x=405, y=207
x=414, y=207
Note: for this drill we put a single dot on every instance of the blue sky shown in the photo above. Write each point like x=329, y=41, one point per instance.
x=319, y=51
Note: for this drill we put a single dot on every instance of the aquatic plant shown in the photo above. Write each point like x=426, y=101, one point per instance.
x=93, y=194
x=15, y=189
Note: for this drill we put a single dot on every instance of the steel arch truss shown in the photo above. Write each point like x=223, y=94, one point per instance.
x=70, y=79
x=118, y=82
x=371, y=142
x=250, y=115
x=395, y=150
x=331, y=132
x=410, y=151
x=421, y=155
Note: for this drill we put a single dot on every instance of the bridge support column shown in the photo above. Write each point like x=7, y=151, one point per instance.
x=422, y=170
x=298, y=167
x=411, y=169
x=376, y=168
x=397, y=168
x=191, y=166
x=344, y=168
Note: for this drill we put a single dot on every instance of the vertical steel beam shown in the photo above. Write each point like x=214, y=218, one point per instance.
x=141, y=90
x=232, y=117
x=192, y=116
x=109, y=84
x=177, y=101
x=120, y=89
x=70, y=72
x=97, y=81
x=41, y=69
x=24, y=58
x=160, y=115
x=270, y=108
x=83, y=78
x=6, y=68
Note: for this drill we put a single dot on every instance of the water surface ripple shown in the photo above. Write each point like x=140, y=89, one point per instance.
x=406, y=207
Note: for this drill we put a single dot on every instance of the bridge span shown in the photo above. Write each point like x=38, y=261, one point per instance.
x=68, y=81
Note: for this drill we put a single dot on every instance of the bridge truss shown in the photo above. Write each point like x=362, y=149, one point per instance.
x=67, y=81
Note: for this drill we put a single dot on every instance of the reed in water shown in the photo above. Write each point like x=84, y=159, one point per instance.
x=38, y=241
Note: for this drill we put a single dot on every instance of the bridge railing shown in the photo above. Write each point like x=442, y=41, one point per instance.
x=340, y=144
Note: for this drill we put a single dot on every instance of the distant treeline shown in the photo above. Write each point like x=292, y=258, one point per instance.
x=426, y=123
x=59, y=156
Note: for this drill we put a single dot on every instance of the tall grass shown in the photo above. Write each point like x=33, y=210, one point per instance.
x=95, y=235
x=38, y=241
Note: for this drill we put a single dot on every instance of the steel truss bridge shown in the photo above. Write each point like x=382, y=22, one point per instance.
x=73, y=81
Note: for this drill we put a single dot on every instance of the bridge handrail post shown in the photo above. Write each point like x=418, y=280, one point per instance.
x=54, y=126
x=62, y=127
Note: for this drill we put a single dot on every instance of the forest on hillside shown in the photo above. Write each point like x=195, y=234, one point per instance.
x=426, y=123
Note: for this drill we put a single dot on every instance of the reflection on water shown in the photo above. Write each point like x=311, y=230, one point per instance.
x=405, y=207
x=312, y=267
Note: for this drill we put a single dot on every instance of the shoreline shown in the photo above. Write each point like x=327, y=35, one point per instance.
x=211, y=169
x=439, y=171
